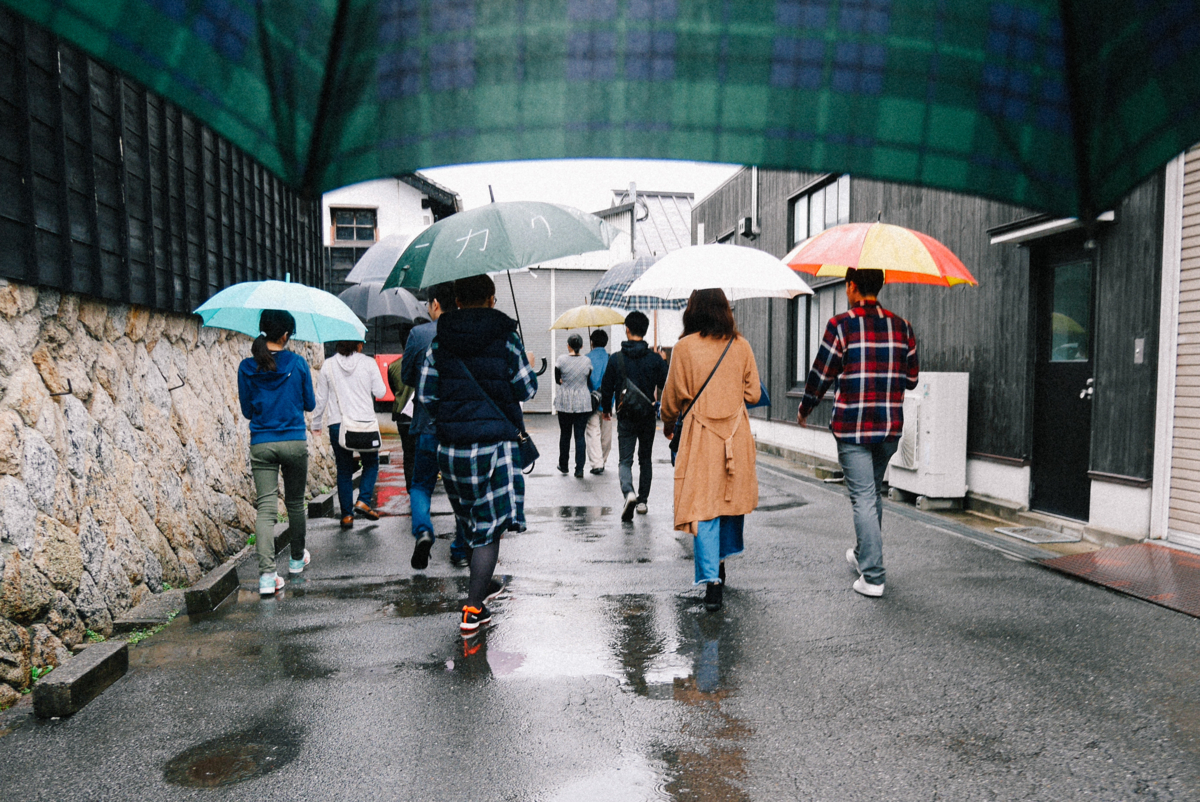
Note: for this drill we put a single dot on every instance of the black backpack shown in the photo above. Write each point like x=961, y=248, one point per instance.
x=631, y=401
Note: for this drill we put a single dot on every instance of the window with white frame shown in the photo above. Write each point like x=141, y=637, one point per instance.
x=353, y=225
x=809, y=213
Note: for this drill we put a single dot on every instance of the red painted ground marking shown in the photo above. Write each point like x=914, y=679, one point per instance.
x=1158, y=574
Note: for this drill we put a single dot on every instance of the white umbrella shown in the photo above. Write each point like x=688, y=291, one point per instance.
x=741, y=272
x=377, y=263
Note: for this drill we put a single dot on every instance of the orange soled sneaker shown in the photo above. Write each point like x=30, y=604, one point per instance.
x=474, y=617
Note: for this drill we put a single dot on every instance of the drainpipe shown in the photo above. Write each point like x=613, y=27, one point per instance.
x=632, y=220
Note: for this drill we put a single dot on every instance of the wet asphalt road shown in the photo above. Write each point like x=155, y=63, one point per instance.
x=976, y=677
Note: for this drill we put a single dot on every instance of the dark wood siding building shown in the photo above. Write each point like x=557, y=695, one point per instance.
x=1000, y=332
x=110, y=191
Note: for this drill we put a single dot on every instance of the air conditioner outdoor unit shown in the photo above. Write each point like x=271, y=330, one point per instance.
x=931, y=458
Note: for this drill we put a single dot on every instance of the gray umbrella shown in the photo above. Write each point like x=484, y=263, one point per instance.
x=369, y=301
x=377, y=263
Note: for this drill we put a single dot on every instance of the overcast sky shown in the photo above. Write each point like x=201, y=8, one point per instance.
x=586, y=184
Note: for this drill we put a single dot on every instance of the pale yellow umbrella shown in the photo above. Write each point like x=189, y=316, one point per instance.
x=589, y=316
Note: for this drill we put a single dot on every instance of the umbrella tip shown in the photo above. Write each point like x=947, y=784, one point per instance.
x=879, y=216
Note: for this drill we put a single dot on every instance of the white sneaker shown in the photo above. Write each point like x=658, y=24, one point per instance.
x=850, y=558
x=642, y=509
x=866, y=588
x=630, y=502
x=269, y=584
x=297, y=566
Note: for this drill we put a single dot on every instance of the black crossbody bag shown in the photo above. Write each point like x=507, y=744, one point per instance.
x=525, y=448
x=674, y=445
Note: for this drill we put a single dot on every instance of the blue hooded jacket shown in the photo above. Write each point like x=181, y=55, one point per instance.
x=275, y=401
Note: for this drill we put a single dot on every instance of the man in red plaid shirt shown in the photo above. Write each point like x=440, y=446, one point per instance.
x=872, y=354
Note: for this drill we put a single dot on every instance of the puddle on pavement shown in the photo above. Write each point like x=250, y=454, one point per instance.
x=636, y=780
x=585, y=523
x=408, y=597
x=232, y=758
x=568, y=512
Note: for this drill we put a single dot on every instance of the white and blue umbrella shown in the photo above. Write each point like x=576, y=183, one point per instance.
x=610, y=289
x=320, y=316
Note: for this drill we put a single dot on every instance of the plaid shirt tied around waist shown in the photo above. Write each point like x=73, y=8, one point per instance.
x=872, y=354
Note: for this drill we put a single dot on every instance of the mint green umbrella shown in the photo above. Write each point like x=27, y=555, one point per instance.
x=500, y=236
x=320, y=316
x=1057, y=105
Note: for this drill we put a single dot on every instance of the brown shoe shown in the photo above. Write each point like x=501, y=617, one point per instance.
x=347, y=521
x=365, y=511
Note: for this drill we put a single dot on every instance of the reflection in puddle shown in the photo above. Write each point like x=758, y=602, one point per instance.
x=584, y=523
x=471, y=660
x=668, y=650
x=634, y=781
x=232, y=758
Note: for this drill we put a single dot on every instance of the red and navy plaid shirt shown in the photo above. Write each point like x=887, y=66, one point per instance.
x=872, y=354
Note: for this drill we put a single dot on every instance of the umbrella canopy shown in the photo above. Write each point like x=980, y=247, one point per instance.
x=588, y=316
x=320, y=316
x=377, y=263
x=499, y=236
x=905, y=256
x=369, y=300
x=611, y=288
x=1057, y=105
x=741, y=272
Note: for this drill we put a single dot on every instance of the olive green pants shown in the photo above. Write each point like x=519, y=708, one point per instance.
x=266, y=462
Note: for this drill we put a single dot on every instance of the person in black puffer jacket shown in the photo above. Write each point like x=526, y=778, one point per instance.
x=473, y=380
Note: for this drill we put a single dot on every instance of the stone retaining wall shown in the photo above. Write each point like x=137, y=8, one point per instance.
x=123, y=485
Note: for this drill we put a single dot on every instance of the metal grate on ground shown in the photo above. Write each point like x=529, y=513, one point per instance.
x=1165, y=576
x=1036, y=534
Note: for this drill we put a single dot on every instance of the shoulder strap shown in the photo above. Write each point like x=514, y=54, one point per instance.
x=706, y=381
x=628, y=384
x=489, y=399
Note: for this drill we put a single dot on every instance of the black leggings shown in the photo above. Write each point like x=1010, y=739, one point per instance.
x=569, y=422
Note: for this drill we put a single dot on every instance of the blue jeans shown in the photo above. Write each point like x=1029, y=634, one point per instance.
x=863, y=466
x=424, y=479
x=639, y=433
x=715, y=540
x=345, y=474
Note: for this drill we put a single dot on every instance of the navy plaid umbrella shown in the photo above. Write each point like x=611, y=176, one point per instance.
x=610, y=289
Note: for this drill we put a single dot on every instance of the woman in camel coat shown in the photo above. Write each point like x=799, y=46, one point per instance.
x=715, y=481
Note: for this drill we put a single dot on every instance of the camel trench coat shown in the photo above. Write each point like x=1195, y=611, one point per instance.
x=714, y=470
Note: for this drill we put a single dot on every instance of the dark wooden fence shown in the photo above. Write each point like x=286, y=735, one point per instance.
x=110, y=191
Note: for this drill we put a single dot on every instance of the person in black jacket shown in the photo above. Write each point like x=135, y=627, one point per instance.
x=633, y=380
x=474, y=377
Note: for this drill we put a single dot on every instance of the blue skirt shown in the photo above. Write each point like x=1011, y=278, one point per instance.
x=715, y=540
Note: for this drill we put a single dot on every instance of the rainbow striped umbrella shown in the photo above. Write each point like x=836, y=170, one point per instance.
x=905, y=256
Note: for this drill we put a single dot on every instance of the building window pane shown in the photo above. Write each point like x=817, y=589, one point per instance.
x=799, y=217
x=353, y=225
x=816, y=212
x=843, y=213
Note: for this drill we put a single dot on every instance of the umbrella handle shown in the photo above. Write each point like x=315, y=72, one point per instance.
x=542, y=369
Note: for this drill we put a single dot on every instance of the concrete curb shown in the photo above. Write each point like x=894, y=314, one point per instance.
x=81, y=679
x=205, y=595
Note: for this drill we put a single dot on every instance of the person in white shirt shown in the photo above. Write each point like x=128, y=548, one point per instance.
x=351, y=379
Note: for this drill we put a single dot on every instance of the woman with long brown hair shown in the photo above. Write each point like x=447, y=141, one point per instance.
x=713, y=377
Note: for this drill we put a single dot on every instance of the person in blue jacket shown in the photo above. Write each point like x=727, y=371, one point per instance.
x=275, y=389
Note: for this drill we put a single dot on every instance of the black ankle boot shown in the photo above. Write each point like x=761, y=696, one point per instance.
x=713, y=596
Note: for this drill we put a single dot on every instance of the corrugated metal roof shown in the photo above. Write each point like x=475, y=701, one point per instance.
x=664, y=220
